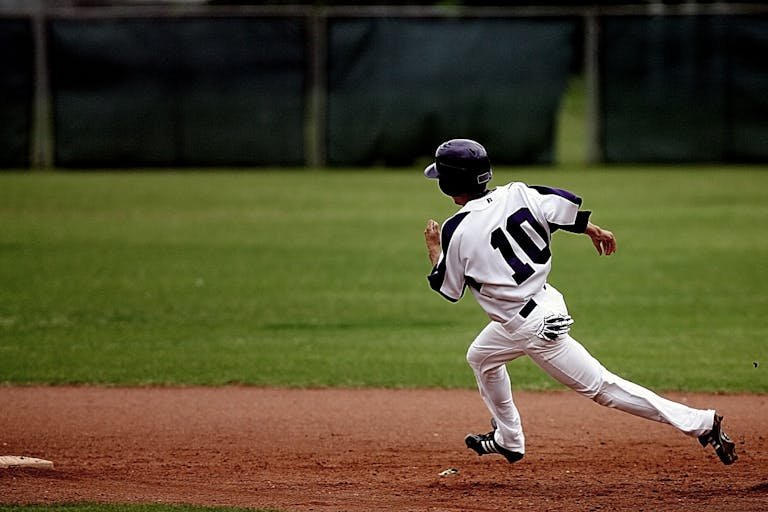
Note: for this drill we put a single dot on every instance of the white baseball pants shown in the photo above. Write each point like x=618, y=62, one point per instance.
x=568, y=362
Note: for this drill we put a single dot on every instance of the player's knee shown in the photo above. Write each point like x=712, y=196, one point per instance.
x=474, y=358
x=602, y=397
x=595, y=388
x=480, y=360
x=604, y=391
x=485, y=367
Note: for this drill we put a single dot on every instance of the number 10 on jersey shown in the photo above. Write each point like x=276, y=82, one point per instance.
x=514, y=227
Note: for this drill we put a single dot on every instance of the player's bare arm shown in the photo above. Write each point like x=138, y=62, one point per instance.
x=602, y=239
x=432, y=238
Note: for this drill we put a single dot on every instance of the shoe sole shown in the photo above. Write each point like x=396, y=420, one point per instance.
x=724, y=447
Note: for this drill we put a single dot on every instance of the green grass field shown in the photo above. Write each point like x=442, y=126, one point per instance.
x=317, y=278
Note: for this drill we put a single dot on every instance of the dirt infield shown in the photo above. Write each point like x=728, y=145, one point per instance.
x=367, y=450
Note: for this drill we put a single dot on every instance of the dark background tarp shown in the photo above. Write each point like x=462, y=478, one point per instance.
x=196, y=91
x=397, y=86
x=684, y=88
x=16, y=92
x=134, y=92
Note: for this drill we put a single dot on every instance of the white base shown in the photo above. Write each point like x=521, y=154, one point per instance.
x=16, y=461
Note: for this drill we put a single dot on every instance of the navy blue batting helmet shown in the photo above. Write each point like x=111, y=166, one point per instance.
x=461, y=166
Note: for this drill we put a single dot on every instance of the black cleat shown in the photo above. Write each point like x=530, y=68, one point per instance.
x=484, y=444
x=724, y=447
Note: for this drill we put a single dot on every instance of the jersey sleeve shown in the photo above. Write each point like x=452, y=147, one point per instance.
x=561, y=208
x=447, y=277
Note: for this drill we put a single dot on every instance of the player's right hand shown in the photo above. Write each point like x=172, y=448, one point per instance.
x=432, y=239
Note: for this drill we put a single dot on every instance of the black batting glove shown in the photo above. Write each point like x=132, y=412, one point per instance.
x=554, y=326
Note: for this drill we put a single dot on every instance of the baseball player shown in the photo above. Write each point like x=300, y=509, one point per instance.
x=498, y=246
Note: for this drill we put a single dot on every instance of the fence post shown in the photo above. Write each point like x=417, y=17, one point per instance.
x=41, y=147
x=314, y=123
x=595, y=149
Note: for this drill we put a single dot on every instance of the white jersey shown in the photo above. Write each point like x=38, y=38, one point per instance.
x=499, y=246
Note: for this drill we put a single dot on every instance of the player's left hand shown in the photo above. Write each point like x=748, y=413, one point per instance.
x=602, y=239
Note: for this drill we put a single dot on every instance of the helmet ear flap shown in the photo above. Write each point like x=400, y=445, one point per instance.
x=447, y=188
x=451, y=187
x=456, y=181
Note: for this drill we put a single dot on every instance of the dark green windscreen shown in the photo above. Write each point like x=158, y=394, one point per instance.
x=16, y=92
x=131, y=92
x=397, y=87
x=684, y=88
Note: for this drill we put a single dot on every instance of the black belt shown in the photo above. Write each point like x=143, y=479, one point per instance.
x=529, y=306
